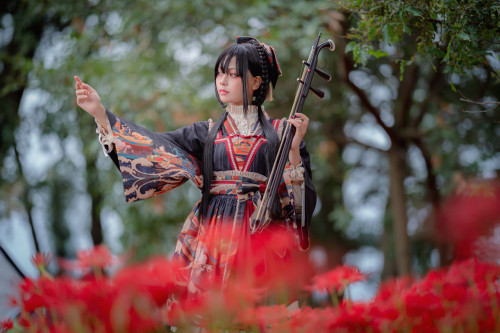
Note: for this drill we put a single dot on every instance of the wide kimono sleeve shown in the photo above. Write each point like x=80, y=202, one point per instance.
x=152, y=163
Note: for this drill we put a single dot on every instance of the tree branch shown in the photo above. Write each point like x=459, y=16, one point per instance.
x=26, y=200
x=468, y=100
x=365, y=102
x=406, y=88
x=364, y=145
x=424, y=106
x=433, y=192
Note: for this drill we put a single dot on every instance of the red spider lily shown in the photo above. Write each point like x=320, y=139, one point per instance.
x=336, y=279
x=470, y=272
x=239, y=294
x=155, y=278
x=312, y=320
x=97, y=257
x=208, y=310
x=134, y=312
x=12, y=302
x=6, y=325
x=267, y=259
x=41, y=260
x=130, y=301
x=464, y=297
x=352, y=318
x=443, y=300
x=467, y=215
x=274, y=262
x=93, y=260
x=266, y=318
x=393, y=287
x=31, y=297
x=24, y=322
x=212, y=307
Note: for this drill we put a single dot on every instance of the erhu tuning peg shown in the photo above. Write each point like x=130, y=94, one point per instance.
x=317, y=92
x=324, y=75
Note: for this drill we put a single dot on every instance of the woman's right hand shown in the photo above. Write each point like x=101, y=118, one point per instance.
x=88, y=99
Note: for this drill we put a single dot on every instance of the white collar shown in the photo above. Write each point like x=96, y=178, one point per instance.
x=238, y=109
x=244, y=122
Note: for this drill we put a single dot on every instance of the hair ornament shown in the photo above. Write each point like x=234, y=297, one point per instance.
x=271, y=57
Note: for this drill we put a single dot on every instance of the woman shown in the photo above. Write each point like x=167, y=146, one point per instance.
x=229, y=160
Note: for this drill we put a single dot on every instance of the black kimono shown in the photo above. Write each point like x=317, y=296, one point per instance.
x=152, y=163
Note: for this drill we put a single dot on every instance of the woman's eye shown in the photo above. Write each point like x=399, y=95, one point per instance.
x=220, y=73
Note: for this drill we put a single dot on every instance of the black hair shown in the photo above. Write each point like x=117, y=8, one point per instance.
x=249, y=57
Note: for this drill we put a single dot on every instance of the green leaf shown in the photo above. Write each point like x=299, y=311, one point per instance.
x=448, y=50
x=453, y=86
x=406, y=29
x=413, y=10
x=378, y=53
x=464, y=36
x=350, y=47
x=387, y=34
x=402, y=66
x=360, y=55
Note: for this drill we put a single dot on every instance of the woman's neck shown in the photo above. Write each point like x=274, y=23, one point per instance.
x=239, y=110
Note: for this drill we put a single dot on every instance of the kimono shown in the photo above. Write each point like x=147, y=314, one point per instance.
x=152, y=163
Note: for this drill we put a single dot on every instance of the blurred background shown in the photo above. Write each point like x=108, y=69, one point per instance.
x=410, y=116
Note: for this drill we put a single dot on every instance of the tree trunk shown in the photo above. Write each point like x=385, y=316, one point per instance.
x=10, y=98
x=96, y=197
x=26, y=200
x=397, y=163
x=96, y=228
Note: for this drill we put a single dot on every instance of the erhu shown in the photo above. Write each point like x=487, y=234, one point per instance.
x=262, y=218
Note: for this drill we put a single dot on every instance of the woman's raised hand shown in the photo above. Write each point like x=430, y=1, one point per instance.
x=300, y=121
x=88, y=99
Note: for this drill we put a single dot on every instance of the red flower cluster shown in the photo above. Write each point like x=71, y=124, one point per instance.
x=6, y=325
x=147, y=297
x=130, y=301
x=465, y=297
x=93, y=261
x=336, y=279
x=472, y=212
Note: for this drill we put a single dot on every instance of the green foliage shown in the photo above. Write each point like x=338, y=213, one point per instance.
x=457, y=34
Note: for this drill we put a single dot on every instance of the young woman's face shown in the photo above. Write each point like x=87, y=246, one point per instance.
x=230, y=85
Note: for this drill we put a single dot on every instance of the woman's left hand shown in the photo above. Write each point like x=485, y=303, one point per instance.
x=300, y=121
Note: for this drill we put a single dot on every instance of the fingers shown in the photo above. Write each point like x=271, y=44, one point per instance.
x=82, y=92
x=81, y=100
x=81, y=95
x=302, y=116
x=80, y=85
x=300, y=120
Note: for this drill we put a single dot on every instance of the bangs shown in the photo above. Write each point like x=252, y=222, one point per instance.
x=240, y=52
x=225, y=57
